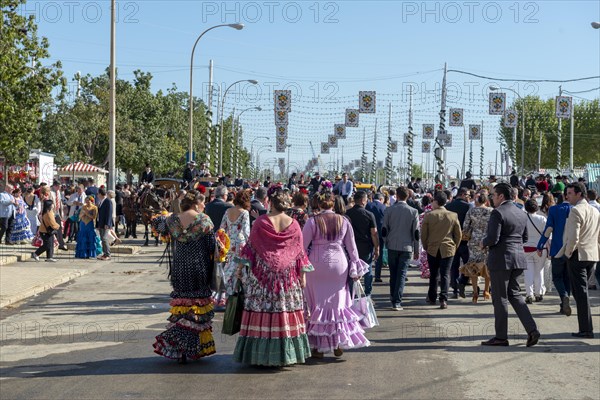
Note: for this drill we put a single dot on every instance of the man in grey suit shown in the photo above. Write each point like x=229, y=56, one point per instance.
x=400, y=232
x=506, y=233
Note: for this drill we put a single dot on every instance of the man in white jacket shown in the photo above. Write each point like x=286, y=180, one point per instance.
x=582, y=249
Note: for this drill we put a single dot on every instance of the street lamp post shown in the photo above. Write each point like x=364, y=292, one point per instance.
x=493, y=88
x=191, y=101
x=252, y=81
x=239, y=142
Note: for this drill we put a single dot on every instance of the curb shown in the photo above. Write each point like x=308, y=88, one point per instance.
x=42, y=287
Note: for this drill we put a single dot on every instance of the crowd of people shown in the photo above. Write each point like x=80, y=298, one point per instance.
x=298, y=249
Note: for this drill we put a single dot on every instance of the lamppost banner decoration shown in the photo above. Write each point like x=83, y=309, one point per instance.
x=281, y=131
x=281, y=117
x=340, y=131
x=564, y=106
x=333, y=141
x=283, y=100
x=428, y=131
x=366, y=102
x=456, y=117
x=394, y=146
x=511, y=118
x=324, y=148
x=407, y=139
x=474, y=132
x=497, y=103
x=280, y=144
x=352, y=118
x=426, y=147
x=448, y=141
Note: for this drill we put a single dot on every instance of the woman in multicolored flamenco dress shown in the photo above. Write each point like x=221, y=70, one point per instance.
x=332, y=326
x=21, y=231
x=273, y=267
x=191, y=263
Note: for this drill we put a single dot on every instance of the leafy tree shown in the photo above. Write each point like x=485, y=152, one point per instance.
x=25, y=83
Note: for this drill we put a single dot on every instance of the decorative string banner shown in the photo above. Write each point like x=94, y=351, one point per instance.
x=428, y=131
x=281, y=118
x=426, y=147
x=497, y=103
x=448, y=141
x=280, y=144
x=281, y=131
x=393, y=146
x=456, y=117
x=333, y=142
x=283, y=100
x=475, y=132
x=564, y=106
x=511, y=117
x=366, y=102
x=324, y=148
x=352, y=118
x=340, y=131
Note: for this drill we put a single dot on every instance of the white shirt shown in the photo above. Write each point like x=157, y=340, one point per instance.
x=594, y=204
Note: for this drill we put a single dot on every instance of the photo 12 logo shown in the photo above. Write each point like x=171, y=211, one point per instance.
x=469, y=11
x=54, y=12
x=270, y=11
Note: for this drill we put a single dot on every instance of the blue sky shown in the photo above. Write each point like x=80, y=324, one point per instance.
x=327, y=51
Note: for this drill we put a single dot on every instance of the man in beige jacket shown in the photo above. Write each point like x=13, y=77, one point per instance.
x=440, y=235
x=581, y=246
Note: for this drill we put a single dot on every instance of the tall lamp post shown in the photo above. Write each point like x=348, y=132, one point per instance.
x=494, y=88
x=191, y=101
x=252, y=81
x=239, y=142
x=252, y=151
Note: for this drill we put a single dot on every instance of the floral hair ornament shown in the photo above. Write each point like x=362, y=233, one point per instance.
x=439, y=186
x=191, y=196
x=274, y=188
x=200, y=188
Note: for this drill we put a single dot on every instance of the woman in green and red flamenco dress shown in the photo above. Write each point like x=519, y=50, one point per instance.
x=273, y=264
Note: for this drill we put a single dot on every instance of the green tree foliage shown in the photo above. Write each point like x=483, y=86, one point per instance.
x=540, y=118
x=25, y=83
x=151, y=127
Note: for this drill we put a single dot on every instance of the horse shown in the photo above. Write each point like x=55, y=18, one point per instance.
x=152, y=203
x=130, y=211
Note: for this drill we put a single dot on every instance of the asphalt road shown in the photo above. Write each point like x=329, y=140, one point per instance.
x=92, y=339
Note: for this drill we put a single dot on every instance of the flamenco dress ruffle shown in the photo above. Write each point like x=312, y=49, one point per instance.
x=189, y=331
x=273, y=331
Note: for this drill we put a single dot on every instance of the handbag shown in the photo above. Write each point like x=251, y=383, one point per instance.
x=363, y=307
x=37, y=240
x=232, y=319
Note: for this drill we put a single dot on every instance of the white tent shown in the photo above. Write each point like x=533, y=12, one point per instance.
x=79, y=170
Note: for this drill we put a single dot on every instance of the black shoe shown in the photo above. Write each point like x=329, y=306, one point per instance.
x=566, y=307
x=586, y=335
x=533, y=338
x=378, y=280
x=461, y=290
x=429, y=301
x=539, y=298
x=64, y=248
x=455, y=296
x=495, y=342
x=529, y=300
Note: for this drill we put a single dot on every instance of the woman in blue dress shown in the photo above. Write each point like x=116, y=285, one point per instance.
x=86, y=238
x=21, y=231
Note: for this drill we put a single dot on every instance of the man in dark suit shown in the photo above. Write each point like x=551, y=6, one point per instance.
x=460, y=205
x=216, y=208
x=104, y=222
x=378, y=208
x=147, y=175
x=258, y=204
x=411, y=201
x=315, y=182
x=506, y=233
x=190, y=173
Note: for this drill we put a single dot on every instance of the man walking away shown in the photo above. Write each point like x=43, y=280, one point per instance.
x=400, y=232
x=365, y=235
x=104, y=223
x=506, y=233
x=460, y=205
x=581, y=241
x=378, y=209
x=440, y=235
